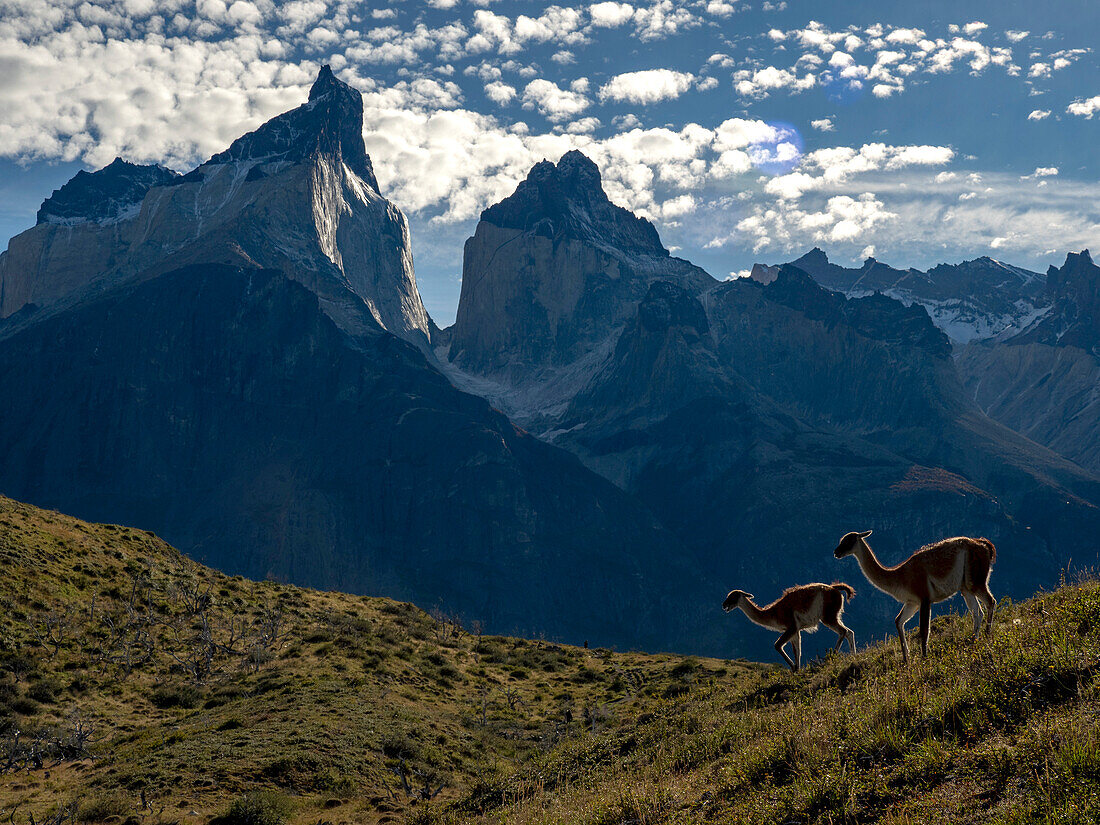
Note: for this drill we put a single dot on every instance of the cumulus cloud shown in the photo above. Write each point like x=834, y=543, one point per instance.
x=761, y=82
x=500, y=92
x=827, y=168
x=842, y=219
x=610, y=14
x=823, y=125
x=1084, y=107
x=552, y=102
x=1039, y=114
x=647, y=86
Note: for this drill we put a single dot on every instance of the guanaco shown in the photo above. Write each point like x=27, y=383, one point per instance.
x=799, y=608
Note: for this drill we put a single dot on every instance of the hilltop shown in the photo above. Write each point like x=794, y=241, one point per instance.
x=146, y=688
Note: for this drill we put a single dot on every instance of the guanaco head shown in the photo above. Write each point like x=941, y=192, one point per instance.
x=847, y=544
x=734, y=599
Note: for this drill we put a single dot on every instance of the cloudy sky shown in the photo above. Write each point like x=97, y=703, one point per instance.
x=747, y=131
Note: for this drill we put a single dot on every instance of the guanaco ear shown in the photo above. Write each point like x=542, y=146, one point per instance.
x=865, y=534
x=748, y=595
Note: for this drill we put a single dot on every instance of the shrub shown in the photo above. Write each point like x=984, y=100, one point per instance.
x=102, y=806
x=176, y=696
x=45, y=690
x=259, y=808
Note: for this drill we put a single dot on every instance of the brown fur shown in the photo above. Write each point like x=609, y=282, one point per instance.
x=799, y=608
x=934, y=573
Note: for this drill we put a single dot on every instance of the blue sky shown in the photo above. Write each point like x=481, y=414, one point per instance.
x=746, y=131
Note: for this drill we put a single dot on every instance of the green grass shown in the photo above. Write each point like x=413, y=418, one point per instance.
x=159, y=691
x=143, y=685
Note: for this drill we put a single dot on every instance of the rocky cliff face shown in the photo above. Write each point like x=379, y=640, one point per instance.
x=972, y=300
x=1045, y=381
x=553, y=271
x=299, y=194
x=223, y=408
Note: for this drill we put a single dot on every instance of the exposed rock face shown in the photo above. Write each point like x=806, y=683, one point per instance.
x=553, y=271
x=969, y=301
x=298, y=194
x=111, y=194
x=1074, y=319
x=222, y=408
x=1045, y=382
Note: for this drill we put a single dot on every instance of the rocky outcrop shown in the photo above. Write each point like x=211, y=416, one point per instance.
x=111, y=194
x=553, y=271
x=972, y=300
x=298, y=194
x=222, y=408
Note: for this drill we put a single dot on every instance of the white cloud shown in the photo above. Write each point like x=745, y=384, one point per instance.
x=553, y=102
x=1016, y=36
x=1084, y=107
x=828, y=168
x=610, y=14
x=500, y=92
x=661, y=19
x=761, y=82
x=1039, y=114
x=823, y=125
x=647, y=86
x=843, y=219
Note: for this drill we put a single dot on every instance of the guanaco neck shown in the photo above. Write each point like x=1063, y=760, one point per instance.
x=881, y=577
x=755, y=614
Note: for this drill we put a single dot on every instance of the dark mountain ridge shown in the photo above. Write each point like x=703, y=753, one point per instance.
x=971, y=300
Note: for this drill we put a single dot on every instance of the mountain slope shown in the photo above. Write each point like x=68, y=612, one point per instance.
x=1045, y=381
x=298, y=194
x=224, y=409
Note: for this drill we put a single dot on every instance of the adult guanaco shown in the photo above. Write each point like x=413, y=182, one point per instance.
x=799, y=608
x=934, y=573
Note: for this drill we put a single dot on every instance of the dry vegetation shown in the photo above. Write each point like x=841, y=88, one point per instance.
x=138, y=686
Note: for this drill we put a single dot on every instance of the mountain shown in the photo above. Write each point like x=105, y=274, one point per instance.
x=299, y=194
x=969, y=301
x=550, y=276
x=285, y=420
x=1045, y=381
x=769, y=414
x=223, y=408
x=785, y=412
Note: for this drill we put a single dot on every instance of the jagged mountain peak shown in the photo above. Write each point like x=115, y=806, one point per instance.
x=326, y=82
x=107, y=194
x=567, y=200
x=329, y=124
x=1074, y=318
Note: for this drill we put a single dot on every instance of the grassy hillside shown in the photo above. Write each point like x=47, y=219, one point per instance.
x=1006, y=730
x=138, y=686
x=137, y=683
